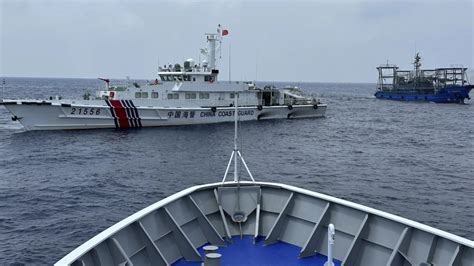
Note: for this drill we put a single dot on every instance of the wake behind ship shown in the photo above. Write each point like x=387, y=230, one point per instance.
x=440, y=85
x=181, y=95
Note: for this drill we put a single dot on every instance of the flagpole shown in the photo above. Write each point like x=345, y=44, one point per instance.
x=256, y=66
x=230, y=65
x=3, y=89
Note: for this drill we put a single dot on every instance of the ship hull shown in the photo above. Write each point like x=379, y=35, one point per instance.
x=55, y=115
x=453, y=94
x=174, y=230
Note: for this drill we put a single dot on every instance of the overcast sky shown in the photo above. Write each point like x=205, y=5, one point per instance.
x=333, y=40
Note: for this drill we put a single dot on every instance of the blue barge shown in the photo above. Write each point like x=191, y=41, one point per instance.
x=440, y=85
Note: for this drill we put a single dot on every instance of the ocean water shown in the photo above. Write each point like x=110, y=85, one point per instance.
x=60, y=188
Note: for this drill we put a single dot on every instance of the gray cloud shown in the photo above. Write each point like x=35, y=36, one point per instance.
x=282, y=40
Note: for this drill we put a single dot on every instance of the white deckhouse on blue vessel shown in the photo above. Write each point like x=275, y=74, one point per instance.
x=182, y=95
x=262, y=223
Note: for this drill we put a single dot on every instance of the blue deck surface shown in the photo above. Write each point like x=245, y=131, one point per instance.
x=245, y=252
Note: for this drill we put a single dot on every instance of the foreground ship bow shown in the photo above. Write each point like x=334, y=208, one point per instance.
x=288, y=224
x=183, y=95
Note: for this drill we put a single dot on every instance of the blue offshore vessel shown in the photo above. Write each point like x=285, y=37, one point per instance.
x=440, y=85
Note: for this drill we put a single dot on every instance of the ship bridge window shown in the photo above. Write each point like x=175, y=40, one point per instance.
x=173, y=96
x=190, y=95
x=167, y=78
x=204, y=95
x=208, y=78
x=138, y=94
x=145, y=95
x=154, y=94
x=187, y=78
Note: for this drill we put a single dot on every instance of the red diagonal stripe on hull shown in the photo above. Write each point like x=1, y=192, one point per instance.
x=120, y=113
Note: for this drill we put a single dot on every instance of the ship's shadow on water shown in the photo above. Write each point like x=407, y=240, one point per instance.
x=60, y=188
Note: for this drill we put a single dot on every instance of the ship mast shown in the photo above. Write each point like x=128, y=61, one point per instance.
x=235, y=152
x=215, y=42
x=417, y=64
x=212, y=38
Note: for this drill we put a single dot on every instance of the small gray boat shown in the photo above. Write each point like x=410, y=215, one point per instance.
x=260, y=223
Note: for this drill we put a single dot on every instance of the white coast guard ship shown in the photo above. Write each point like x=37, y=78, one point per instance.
x=182, y=95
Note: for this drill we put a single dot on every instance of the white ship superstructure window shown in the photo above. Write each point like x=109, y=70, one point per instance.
x=204, y=95
x=173, y=96
x=138, y=94
x=145, y=95
x=232, y=96
x=154, y=94
x=171, y=77
x=190, y=95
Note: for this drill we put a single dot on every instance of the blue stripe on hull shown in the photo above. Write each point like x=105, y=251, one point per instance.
x=245, y=252
x=453, y=94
